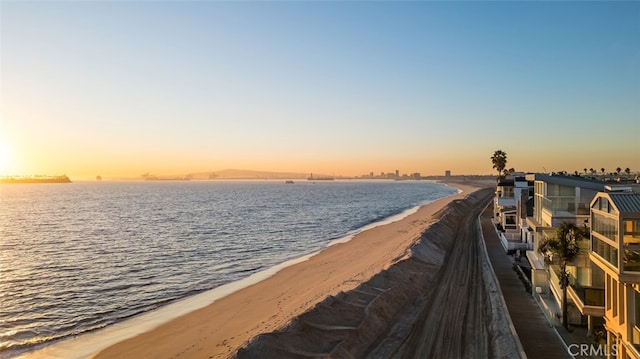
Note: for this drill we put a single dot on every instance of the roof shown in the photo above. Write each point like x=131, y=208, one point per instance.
x=626, y=202
x=571, y=181
x=506, y=183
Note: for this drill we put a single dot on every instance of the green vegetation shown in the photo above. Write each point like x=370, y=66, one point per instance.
x=499, y=160
x=564, y=246
x=523, y=278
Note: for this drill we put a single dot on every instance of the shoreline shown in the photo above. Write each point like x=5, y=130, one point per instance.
x=142, y=332
x=432, y=302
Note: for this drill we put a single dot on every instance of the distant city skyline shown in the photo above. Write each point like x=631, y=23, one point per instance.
x=119, y=89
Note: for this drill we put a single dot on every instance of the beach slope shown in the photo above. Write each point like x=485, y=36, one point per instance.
x=436, y=302
x=220, y=329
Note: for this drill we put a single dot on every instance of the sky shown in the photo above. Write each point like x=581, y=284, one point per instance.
x=121, y=88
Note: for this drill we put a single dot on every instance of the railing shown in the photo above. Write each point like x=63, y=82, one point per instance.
x=554, y=282
x=567, y=204
x=513, y=244
x=628, y=239
x=590, y=296
x=512, y=237
x=506, y=201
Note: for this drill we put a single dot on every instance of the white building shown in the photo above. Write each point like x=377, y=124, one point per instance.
x=513, y=200
x=557, y=199
x=615, y=249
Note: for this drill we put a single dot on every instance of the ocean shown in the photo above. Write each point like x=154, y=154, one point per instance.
x=75, y=258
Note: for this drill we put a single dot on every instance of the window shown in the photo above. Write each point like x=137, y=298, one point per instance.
x=507, y=192
x=607, y=252
x=614, y=288
x=605, y=226
x=631, y=231
x=621, y=296
x=622, y=303
x=636, y=299
x=608, y=291
x=632, y=260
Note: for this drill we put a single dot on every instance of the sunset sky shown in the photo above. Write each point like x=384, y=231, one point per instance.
x=124, y=88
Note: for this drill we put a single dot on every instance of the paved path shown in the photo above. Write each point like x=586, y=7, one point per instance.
x=538, y=339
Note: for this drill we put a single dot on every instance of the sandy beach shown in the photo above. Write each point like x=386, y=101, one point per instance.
x=218, y=330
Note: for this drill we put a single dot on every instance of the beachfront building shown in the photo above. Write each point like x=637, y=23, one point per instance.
x=615, y=249
x=512, y=203
x=560, y=198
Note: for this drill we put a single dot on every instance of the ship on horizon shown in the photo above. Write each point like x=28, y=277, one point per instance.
x=35, y=179
x=320, y=178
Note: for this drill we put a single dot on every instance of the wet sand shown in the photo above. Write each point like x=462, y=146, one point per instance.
x=220, y=329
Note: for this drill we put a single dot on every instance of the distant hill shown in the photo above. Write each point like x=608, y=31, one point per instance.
x=246, y=174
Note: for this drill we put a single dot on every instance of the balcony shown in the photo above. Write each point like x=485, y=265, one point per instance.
x=631, y=238
x=589, y=300
x=564, y=206
x=631, y=259
x=506, y=202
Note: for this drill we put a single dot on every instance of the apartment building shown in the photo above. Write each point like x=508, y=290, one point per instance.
x=556, y=199
x=511, y=206
x=615, y=249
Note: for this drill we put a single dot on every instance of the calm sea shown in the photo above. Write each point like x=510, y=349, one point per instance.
x=78, y=257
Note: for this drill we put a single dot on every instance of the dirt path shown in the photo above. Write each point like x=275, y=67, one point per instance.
x=455, y=320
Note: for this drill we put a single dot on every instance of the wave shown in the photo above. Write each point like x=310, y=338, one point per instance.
x=135, y=318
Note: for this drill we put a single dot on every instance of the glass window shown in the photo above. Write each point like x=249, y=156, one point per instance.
x=622, y=310
x=614, y=288
x=632, y=260
x=605, y=226
x=631, y=231
x=567, y=191
x=636, y=298
x=594, y=296
x=607, y=290
x=604, y=250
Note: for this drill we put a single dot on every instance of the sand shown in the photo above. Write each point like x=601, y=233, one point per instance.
x=220, y=329
x=439, y=301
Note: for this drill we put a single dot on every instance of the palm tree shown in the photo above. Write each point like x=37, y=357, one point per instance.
x=499, y=160
x=564, y=246
x=627, y=171
x=585, y=170
x=602, y=169
x=618, y=170
x=592, y=171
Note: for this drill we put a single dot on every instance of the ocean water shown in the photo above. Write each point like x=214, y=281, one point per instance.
x=78, y=257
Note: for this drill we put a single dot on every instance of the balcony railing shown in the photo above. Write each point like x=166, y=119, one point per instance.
x=589, y=296
x=562, y=205
x=631, y=259
x=512, y=236
x=628, y=239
